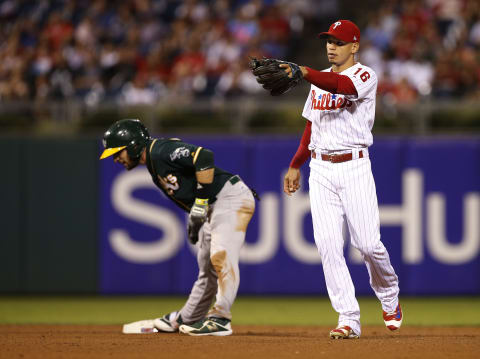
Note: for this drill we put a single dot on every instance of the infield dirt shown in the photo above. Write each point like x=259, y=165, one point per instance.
x=252, y=342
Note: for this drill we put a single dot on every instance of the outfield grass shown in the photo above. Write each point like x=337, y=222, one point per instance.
x=443, y=311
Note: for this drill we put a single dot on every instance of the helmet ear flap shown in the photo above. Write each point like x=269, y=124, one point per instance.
x=134, y=150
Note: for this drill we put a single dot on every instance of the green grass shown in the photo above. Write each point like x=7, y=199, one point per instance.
x=441, y=311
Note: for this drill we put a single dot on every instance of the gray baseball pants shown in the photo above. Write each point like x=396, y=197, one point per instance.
x=220, y=241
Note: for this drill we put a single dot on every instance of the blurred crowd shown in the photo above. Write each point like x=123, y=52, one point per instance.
x=424, y=48
x=139, y=51
x=143, y=51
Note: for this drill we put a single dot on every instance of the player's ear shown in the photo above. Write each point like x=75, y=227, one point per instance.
x=143, y=156
x=355, y=47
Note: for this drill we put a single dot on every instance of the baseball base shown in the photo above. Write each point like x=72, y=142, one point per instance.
x=140, y=327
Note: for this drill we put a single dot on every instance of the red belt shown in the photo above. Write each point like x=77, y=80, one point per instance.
x=344, y=157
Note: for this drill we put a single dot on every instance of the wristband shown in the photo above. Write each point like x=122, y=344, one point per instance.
x=201, y=202
x=205, y=190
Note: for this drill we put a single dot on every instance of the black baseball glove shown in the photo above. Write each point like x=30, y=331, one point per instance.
x=273, y=77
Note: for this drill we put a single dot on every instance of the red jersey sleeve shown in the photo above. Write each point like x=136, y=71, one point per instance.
x=331, y=82
x=303, y=152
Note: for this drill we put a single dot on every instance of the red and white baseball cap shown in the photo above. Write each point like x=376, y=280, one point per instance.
x=344, y=30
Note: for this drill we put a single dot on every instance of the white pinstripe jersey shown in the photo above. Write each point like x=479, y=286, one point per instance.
x=342, y=122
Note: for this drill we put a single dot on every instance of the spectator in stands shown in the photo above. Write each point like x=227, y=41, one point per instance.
x=140, y=91
x=193, y=48
x=419, y=48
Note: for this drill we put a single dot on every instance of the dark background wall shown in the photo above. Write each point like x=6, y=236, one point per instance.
x=48, y=212
x=53, y=238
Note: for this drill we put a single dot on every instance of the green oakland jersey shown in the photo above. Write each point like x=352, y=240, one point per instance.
x=171, y=163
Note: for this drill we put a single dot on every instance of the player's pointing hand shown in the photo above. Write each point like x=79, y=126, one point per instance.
x=288, y=69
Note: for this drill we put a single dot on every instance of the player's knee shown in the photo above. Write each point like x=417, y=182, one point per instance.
x=367, y=251
x=219, y=260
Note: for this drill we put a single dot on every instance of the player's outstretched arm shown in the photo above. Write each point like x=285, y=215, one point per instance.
x=328, y=81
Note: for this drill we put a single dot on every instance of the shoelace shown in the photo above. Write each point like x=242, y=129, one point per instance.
x=394, y=314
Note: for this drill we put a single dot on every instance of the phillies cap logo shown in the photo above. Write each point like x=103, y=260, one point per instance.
x=344, y=30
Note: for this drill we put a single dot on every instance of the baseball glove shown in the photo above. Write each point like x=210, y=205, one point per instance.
x=274, y=78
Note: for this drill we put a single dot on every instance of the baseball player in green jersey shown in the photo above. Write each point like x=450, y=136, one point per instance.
x=220, y=207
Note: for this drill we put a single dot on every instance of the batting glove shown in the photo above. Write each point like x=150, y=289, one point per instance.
x=196, y=219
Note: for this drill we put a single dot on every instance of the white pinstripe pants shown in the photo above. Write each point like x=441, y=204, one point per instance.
x=346, y=191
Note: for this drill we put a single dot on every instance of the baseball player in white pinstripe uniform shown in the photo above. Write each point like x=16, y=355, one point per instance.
x=340, y=111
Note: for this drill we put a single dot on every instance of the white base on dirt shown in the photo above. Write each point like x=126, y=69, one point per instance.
x=140, y=327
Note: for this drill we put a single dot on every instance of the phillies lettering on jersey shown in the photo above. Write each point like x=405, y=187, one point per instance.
x=326, y=102
x=342, y=122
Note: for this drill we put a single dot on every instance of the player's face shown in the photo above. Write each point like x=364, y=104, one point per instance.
x=340, y=52
x=123, y=158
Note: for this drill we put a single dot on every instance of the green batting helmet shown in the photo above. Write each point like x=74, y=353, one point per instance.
x=130, y=134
